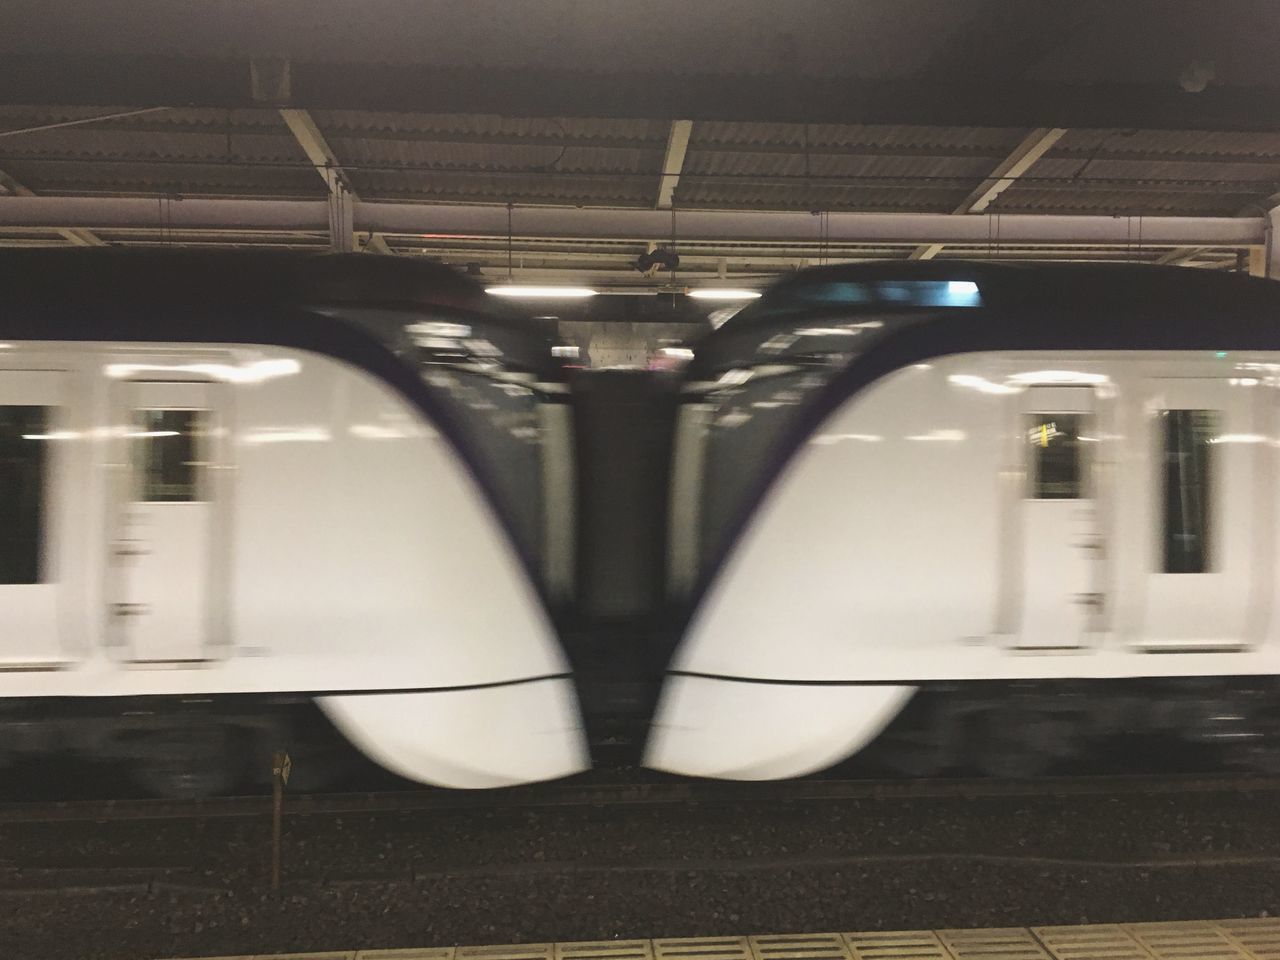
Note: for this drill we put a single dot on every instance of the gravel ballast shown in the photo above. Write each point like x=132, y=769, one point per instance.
x=141, y=890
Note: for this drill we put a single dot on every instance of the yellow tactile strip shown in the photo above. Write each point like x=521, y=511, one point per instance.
x=1256, y=939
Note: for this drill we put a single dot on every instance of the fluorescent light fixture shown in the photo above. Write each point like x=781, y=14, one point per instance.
x=536, y=292
x=723, y=293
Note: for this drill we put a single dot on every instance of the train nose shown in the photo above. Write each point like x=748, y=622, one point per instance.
x=746, y=730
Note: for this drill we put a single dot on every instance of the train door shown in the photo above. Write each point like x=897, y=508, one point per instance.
x=1206, y=559
x=31, y=408
x=1061, y=535
x=166, y=580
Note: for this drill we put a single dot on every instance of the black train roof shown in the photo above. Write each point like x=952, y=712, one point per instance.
x=1071, y=303
x=378, y=294
x=1140, y=286
x=236, y=276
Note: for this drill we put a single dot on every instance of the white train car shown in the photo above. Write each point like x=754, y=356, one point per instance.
x=228, y=482
x=1036, y=504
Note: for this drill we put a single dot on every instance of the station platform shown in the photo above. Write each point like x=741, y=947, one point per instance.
x=1244, y=939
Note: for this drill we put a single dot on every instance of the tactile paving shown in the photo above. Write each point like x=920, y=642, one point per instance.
x=1103, y=941
x=800, y=946
x=999, y=943
x=605, y=950
x=1189, y=940
x=1248, y=939
x=703, y=948
x=507, y=951
x=1260, y=937
x=897, y=945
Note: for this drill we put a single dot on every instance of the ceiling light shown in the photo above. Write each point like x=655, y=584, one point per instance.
x=724, y=293
x=519, y=292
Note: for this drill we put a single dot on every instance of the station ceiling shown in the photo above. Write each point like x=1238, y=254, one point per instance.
x=1136, y=110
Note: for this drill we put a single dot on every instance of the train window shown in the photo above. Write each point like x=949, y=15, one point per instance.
x=1056, y=455
x=1187, y=437
x=24, y=457
x=165, y=455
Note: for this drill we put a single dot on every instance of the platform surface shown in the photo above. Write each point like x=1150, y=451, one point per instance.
x=1187, y=940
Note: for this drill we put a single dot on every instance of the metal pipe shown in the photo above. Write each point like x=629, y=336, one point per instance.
x=631, y=224
x=164, y=213
x=701, y=225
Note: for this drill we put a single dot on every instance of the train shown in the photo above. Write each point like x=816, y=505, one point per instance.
x=232, y=484
x=976, y=516
x=936, y=515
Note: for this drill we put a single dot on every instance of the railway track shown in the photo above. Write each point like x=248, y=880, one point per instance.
x=614, y=794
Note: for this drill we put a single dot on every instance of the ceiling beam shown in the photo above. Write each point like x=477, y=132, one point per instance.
x=317, y=149
x=1034, y=146
x=926, y=251
x=629, y=223
x=673, y=162
x=337, y=184
x=1021, y=159
x=1179, y=255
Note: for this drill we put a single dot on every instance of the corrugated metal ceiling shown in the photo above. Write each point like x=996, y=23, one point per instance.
x=480, y=157
x=471, y=158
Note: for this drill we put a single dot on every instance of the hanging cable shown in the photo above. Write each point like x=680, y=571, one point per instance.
x=81, y=122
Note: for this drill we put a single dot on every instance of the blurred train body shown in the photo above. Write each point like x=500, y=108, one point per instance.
x=946, y=515
x=236, y=483
x=1029, y=506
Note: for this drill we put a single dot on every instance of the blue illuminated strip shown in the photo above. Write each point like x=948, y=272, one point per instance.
x=922, y=293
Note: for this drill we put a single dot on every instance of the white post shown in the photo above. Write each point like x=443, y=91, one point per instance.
x=1272, y=228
